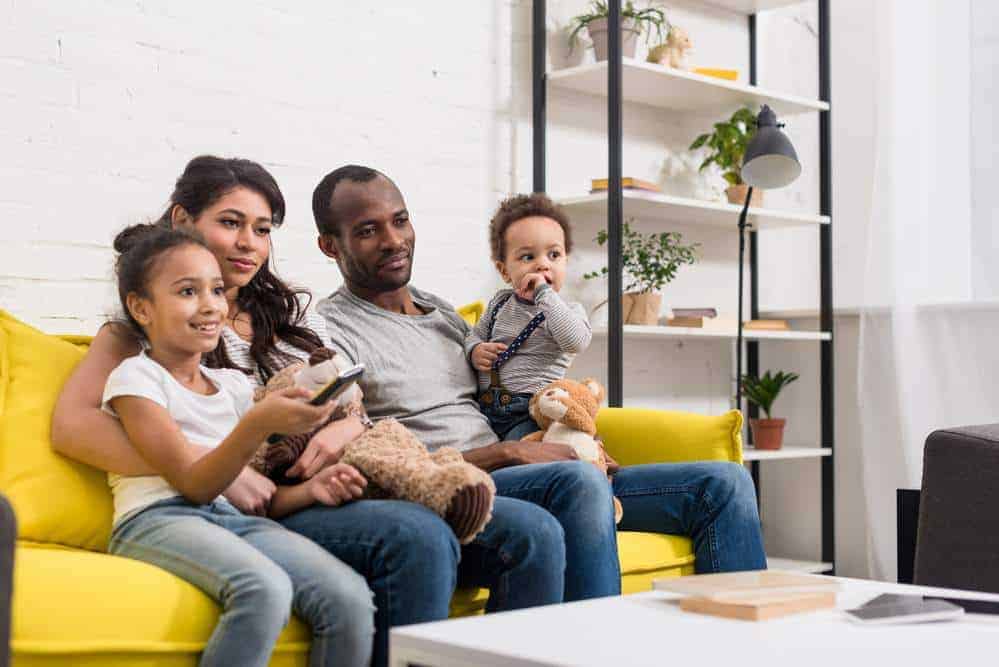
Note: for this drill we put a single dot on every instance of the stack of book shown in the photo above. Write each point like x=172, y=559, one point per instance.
x=691, y=317
x=627, y=183
x=752, y=596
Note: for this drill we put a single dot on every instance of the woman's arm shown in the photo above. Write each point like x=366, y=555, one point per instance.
x=80, y=429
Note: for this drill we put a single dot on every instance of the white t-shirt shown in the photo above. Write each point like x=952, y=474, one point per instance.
x=204, y=420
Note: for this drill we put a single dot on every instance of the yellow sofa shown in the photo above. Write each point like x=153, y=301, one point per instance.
x=75, y=604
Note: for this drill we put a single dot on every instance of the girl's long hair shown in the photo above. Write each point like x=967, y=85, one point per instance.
x=276, y=310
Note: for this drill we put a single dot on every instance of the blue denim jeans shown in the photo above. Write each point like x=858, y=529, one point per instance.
x=259, y=572
x=413, y=561
x=511, y=421
x=712, y=503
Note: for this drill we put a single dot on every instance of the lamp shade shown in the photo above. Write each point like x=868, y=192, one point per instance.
x=770, y=161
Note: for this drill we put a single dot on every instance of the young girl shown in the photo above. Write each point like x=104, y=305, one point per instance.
x=197, y=427
x=529, y=335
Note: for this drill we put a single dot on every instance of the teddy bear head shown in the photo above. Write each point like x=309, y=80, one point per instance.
x=568, y=402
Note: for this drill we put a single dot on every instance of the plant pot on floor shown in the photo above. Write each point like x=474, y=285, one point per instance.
x=737, y=195
x=767, y=433
x=641, y=307
x=629, y=37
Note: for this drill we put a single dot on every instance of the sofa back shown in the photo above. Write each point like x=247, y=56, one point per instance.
x=57, y=501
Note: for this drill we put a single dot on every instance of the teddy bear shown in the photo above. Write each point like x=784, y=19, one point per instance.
x=674, y=52
x=395, y=463
x=566, y=412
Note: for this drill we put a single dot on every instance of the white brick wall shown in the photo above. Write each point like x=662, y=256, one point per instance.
x=104, y=102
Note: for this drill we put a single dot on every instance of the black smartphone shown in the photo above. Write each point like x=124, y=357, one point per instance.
x=339, y=385
x=342, y=382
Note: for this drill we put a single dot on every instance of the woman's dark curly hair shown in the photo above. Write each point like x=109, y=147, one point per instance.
x=519, y=207
x=276, y=310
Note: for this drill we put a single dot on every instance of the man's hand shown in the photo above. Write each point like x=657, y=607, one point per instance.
x=326, y=447
x=609, y=464
x=251, y=492
x=484, y=354
x=337, y=484
x=524, y=453
x=529, y=283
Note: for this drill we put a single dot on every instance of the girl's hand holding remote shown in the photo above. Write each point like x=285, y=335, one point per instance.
x=288, y=411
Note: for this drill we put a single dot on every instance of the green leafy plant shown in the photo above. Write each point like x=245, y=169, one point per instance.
x=763, y=391
x=728, y=144
x=651, y=260
x=653, y=16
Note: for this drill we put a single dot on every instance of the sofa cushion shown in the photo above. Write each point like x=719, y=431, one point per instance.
x=87, y=608
x=634, y=436
x=56, y=500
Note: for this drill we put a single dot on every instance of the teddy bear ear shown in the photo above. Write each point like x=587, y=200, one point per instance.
x=595, y=388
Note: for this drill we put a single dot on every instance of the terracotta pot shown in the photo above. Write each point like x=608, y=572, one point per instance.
x=767, y=433
x=641, y=307
x=737, y=195
x=629, y=37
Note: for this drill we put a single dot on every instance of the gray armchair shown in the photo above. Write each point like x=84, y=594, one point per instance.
x=957, y=544
x=8, y=535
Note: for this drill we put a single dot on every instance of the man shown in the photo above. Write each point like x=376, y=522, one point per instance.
x=411, y=343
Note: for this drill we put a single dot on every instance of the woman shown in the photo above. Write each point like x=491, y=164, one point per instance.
x=234, y=205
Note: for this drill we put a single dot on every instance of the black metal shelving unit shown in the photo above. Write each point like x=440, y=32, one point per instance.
x=615, y=217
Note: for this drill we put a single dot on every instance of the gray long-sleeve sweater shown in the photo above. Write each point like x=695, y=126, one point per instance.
x=546, y=355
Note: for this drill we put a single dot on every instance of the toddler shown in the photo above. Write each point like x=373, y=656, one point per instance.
x=529, y=335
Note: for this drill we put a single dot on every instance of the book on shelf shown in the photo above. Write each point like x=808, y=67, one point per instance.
x=753, y=596
x=766, y=325
x=718, y=73
x=627, y=183
x=695, y=312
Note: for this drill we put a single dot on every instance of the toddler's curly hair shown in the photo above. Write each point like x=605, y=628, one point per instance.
x=519, y=207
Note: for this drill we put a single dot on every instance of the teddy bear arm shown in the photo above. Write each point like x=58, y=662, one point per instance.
x=537, y=436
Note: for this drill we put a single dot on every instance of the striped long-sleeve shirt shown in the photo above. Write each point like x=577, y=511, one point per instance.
x=546, y=355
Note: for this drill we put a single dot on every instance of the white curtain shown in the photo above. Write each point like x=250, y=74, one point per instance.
x=929, y=329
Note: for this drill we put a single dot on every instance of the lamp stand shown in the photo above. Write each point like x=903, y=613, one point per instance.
x=738, y=337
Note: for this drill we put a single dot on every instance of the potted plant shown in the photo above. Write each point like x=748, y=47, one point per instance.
x=650, y=261
x=595, y=22
x=763, y=391
x=727, y=145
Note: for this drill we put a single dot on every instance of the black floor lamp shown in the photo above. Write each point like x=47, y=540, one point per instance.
x=769, y=162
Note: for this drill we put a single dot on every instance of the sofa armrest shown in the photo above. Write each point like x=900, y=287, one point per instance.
x=957, y=544
x=635, y=435
x=8, y=536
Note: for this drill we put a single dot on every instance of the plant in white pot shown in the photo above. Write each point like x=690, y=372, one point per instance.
x=632, y=20
x=650, y=262
x=763, y=391
x=727, y=145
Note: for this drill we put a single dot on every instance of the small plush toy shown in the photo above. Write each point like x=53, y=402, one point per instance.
x=674, y=52
x=395, y=463
x=566, y=411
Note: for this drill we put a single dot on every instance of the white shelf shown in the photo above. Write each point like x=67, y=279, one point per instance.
x=748, y=6
x=679, y=90
x=651, y=331
x=805, y=566
x=785, y=452
x=685, y=211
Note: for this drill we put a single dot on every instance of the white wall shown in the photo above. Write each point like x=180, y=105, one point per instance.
x=103, y=104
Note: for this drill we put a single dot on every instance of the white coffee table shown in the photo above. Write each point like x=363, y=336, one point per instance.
x=650, y=629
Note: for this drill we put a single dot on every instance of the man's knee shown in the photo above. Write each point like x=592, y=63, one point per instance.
x=418, y=536
x=584, y=481
x=730, y=481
